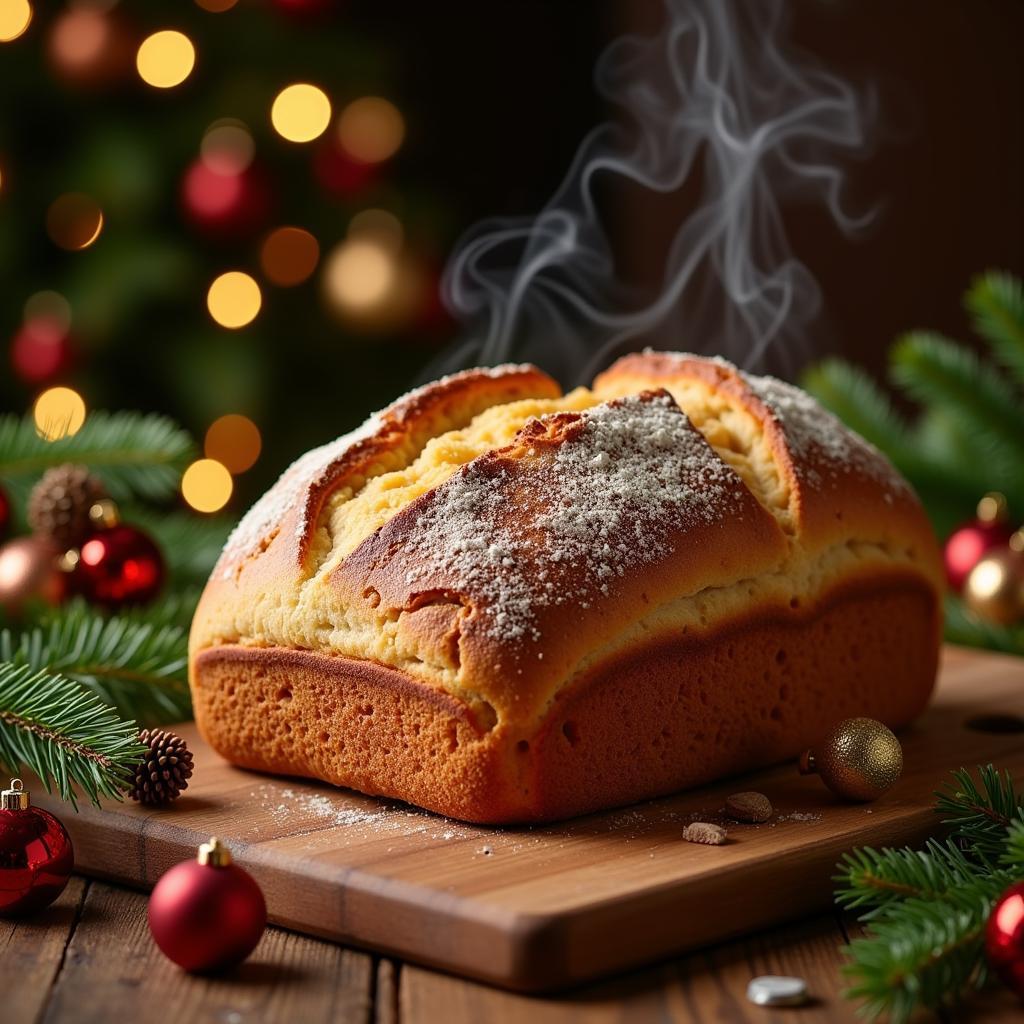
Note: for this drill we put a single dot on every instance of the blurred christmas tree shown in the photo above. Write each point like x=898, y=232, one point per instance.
x=204, y=203
x=967, y=439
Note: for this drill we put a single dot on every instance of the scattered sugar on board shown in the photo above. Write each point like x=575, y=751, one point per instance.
x=587, y=520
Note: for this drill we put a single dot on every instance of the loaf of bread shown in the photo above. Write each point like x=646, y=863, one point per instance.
x=506, y=604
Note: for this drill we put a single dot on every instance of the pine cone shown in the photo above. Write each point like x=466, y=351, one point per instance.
x=58, y=507
x=165, y=769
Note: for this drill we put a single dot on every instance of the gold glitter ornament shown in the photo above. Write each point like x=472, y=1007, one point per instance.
x=994, y=589
x=858, y=760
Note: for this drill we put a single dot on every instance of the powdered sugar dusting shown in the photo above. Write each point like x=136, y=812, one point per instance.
x=817, y=438
x=307, y=470
x=268, y=512
x=605, y=499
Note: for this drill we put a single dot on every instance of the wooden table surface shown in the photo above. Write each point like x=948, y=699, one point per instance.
x=89, y=959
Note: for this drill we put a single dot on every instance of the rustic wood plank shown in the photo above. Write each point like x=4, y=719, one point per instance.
x=112, y=967
x=32, y=951
x=385, y=996
x=693, y=990
x=538, y=908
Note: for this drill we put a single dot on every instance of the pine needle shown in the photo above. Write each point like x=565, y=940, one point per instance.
x=137, y=666
x=133, y=453
x=927, y=909
x=981, y=812
x=996, y=302
x=64, y=734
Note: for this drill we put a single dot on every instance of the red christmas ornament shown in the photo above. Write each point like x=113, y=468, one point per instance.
x=119, y=566
x=970, y=543
x=223, y=201
x=207, y=914
x=36, y=855
x=1004, y=938
x=5, y=513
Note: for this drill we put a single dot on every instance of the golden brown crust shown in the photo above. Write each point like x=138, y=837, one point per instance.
x=672, y=712
x=270, y=547
x=532, y=630
x=518, y=665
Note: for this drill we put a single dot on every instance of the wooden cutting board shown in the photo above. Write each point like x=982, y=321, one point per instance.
x=544, y=907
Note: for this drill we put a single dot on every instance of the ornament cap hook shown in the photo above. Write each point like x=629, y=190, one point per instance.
x=214, y=853
x=16, y=798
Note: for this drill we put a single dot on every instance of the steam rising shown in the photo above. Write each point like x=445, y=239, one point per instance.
x=714, y=94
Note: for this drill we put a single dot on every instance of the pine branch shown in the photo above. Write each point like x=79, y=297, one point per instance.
x=133, y=453
x=980, y=815
x=860, y=403
x=963, y=627
x=1013, y=851
x=873, y=880
x=996, y=302
x=942, y=374
x=138, y=667
x=64, y=734
x=923, y=953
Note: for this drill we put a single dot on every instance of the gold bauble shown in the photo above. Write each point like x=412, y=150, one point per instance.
x=994, y=588
x=28, y=571
x=859, y=760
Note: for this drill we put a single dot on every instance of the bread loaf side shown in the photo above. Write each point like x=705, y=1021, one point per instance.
x=503, y=603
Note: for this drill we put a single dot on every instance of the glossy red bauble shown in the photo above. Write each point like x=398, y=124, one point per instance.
x=207, y=916
x=968, y=545
x=36, y=855
x=119, y=566
x=1004, y=938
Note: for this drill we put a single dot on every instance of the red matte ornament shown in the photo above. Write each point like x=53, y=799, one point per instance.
x=1004, y=938
x=119, y=566
x=36, y=855
x=207, y=914
x=5, y=513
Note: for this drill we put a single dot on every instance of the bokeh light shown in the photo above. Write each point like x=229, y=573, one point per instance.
x=165, y=59
x=300, y=112
x=216, y=6
x=50, y=306
x=206, y=485
x=234, y=441
x=74, y=221
x=380, y=226
x=234, y=299
x=358, y=275
x=289, y=255
x=227, y=146
x=15, y=16
x=58, y=412
x=81, y=41
x=39, y=350
x=371, y=129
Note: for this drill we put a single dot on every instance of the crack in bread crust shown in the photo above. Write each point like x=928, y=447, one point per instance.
x=496, y=543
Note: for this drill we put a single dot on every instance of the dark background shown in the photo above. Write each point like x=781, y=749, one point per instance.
x=496, y=98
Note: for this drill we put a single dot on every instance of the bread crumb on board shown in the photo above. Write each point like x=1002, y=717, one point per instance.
x=704, y=832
